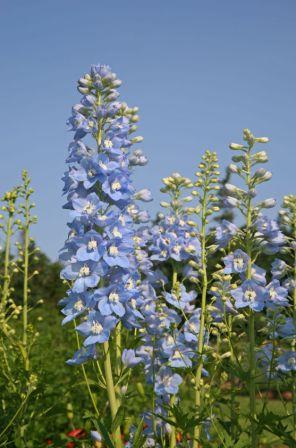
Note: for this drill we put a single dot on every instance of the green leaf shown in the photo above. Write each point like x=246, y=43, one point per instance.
x=139, y=440
x=118, y=419
x=100, y=427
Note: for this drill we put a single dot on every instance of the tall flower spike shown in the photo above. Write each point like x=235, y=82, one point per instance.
x=207, y=186
x=259, y=234
x=99, y=255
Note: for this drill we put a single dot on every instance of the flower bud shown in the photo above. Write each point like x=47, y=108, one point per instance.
x=137, y=139
x=236, y=146
x=268, y=203
x=262, y=139
x=233, y=168
x=260, y=157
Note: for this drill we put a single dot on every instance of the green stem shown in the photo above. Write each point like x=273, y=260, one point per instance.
x=111, y=393
x=86, y=378
x=26, y=278
x=118, y=349
x=14, y=416
x=252, y=335
x=6, y=263
x=172, y=399
x=252, y=371
x=294, y=341
x=232, y=378
x=200, y=343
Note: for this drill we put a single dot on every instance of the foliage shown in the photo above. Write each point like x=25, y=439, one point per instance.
x=183, y=327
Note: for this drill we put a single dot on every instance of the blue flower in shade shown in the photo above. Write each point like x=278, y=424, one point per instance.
x=276, y=294
x=179, y=297
x=286, y=363
x=82, y=355
x=237, y=262
x=278, y=268
x=264, y=358
x=191, y=327
x=249, y=294
x=167, y=382
x=129, y=358
x=110, y=300
x=180, y=356
x=97, y=328
x=287, y=329
x=79, y=151
x=76, y=304
x=225, y=232
x=91, y=247
x=84, y=274
x=95, y=436
x=257, y=274
x=271, y=238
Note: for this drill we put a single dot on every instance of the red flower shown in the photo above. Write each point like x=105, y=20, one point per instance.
x=49, y=442
x=77, y=433
x=70, y=445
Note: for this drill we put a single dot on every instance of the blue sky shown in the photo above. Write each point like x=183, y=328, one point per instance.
x=200, y=71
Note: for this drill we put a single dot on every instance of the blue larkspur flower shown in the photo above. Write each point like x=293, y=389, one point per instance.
x=249, y=294
x=286, y=363
x=237, y=262
x=225, y=232
x=276, y=294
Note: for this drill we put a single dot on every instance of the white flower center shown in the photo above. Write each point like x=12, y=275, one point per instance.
x=113, y=251
x=167, y=380
x=190, y=248
x=177, y=355
x=193, y=327
x=114, y=297
x=89, y=208
x=116, y=185
x=272, y=293
x=108, y=144
x=84, y=271
x=92, y=245
x=177, y=249
x=96, y=327
x=78, y=306
x=170, y=340
x=133, y=303
x=117, y=233
x=90, y=173
x=102, y=165
x=238, y=263
x=250, y=295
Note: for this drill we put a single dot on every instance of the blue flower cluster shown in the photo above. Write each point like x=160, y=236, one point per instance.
x=253, y=293
x=171, y=318
x=99, y=255
x=174, y=239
